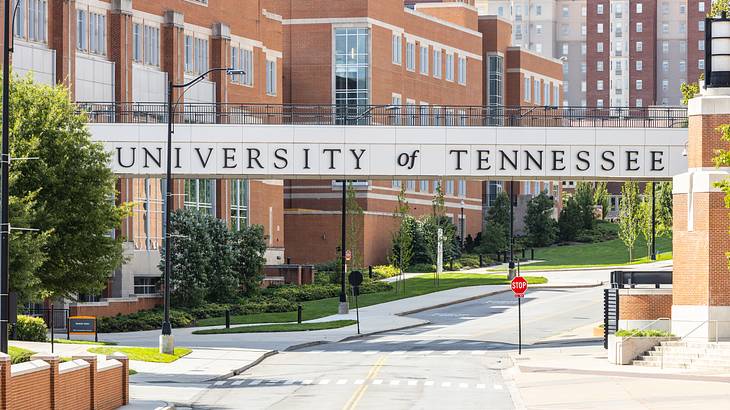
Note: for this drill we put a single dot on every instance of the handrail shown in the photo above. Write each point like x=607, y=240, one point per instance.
x=633, y=333
x=708, y=321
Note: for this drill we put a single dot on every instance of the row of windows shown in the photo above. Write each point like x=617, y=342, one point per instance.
x=91, y=32
x=537, y=92
x=438, y=66
x=618, y=9
x=423, y=186
x=196, y=55
x=31, y=20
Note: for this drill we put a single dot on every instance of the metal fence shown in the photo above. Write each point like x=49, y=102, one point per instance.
x=387, y=115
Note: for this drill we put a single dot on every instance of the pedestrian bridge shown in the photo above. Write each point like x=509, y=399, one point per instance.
x=393, y=142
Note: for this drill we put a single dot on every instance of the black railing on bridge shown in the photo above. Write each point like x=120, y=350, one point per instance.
x=388, y=115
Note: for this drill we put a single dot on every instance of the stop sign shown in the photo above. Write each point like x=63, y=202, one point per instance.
x=519, y=286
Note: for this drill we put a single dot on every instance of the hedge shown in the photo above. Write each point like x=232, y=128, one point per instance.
x=29, y=329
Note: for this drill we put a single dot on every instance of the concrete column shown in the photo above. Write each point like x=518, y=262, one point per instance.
x=701, y=288
x=92, y=359
x=120, y=48
x=62, y=38
x=53, y=360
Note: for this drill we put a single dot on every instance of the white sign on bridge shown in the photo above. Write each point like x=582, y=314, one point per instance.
x=382, y=152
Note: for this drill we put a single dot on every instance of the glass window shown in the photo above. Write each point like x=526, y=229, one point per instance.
x=437, y=63
x=701, y=6
x=599, y=85
x=639, y=46
x=242, y=59
x=146, y=285
x=599, y=9
x=462, y=70
x=639, y=84
x=424, y=60
x=19, y=28
x=599, y=28
x=527, y=89
x=701, y=25
x=271, y=77
x=639, y=65
x=599, y=47
x=639, y=27
x=97, y=33
x=81, y=30
x=496, y=79
x=536, y=89
x=410, y=185
x=397, y=49
x=462, y=188
x=665, y=66
x=199, y=194
x=682, y=66
x=556, y=94
x=137, y=42
x=352, y=60
x=599, y=65
x=37, y=10
x=396, y=184
x=546, y=94
x=423, y=185
x=151, y=45
x=189, y=66
x=239, y=203
x=449, y=187
x=449, y=67
x=639, y=8
x=411, y=56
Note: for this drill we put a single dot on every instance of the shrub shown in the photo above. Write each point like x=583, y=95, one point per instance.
x=143, y=320
x=643, y=333
x=30, y=329
x=20, y=355
x=384, y=271
x=468, y=261
x=422, y=268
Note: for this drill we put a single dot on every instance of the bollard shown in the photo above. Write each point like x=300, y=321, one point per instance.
x=481, y=260
x=299, y=314
x=370, y=271
x=532, y=254
x=228, y=319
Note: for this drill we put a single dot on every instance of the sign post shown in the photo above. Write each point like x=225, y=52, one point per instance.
x=439, y=254
x=519, y=287
x=83, y=325
x=355, y=280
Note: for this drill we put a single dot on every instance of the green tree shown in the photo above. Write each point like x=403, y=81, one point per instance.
x=629, y=216
x=26, y=248
x=250, y=246
x=222, y=282
x=500, y=213
x=645, y=217
x=584, y=199
x=541, y=227
x=495, y=236
x=354, y=226
x=664, y=208
x=438, y=207
x=600, y=197
x=402, y=248
x=569, y=220
x=718, y=6
x=73, y=191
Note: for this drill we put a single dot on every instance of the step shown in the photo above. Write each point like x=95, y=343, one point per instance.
x=644, y=363
x=697, y=345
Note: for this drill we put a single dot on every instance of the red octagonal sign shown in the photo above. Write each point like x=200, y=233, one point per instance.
x=519, y=286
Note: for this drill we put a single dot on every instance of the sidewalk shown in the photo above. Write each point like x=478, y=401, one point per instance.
x=572, y=371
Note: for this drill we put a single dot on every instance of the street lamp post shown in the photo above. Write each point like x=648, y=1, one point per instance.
x=461, y=225
x=343, y=308
x=4, y=217
x=511, y=273
x=167, y=343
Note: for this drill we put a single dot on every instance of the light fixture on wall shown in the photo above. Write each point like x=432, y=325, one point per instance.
x=717, y=51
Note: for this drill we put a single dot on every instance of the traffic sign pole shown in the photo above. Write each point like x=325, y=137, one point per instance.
x=519, y=326
x=519, y=287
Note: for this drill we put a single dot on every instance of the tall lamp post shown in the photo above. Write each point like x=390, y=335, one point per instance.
x=461, y=225
x=511, y=273
x=344, y=307
x=167, y=342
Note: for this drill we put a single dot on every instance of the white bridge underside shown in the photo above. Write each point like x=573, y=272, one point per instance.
x=401, y=152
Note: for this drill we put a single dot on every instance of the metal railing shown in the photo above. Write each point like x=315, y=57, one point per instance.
x=387, y=115
x=634, y=334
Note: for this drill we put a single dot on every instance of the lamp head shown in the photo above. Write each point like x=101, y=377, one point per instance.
x=235, y=71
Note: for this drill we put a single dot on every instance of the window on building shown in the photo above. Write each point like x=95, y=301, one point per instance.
x=396, y=101
x=196, y=54
x=665, y=66
x=449, y=67
x=665, y=8
x=665, y=28
x=619, y=10
x=639, y=46
x=682, y=66
x=271, y=77
x=352, y=69
x=239, y=203
x=538, y=28
x=599, y=66
x=599, y=85
x=665, y=85
x=701, y=64
x=565, y=49
x=639, y=65
x=151, y=45
x=583, y=11
x=411, y=185
x=536, y=89
x=527, y=87
x=701, y=25
x=397, y=49
x=701, y=45
x=665, y=47
x=242, y=59
x=137, y=42
x=599, y=103
x=496, y=78
x=423, y=185
x=599, y=28
x=449, y=187
x=701, y=6
x=411, y=56
x=199, y=194
x=639, y=102
x=565, y=11
x=565, y=29
x=599, y=47
x=556, y=94
x=538, y=48
x=538, y=10
x=682, y=27
x=682, y=8
x=437, y=63
x=639, y=27
x=424, y=60
x=583, y=68
x=500, y=11
x=81, y=30
x=546, y=93
x=639, y=84
x=583, y=48
x=462, y=70
x=19, y=27
x=31, y=20
x=462, y=188
x=396, y=184
x=639, y=8
x=583, y=86
x=682, y=46
x=188, y=44
x=583, y=30
x=97, y=33
x=599, y=9
x=146, y=285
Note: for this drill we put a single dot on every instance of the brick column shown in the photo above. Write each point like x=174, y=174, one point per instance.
x=172, y=39
x=120, y=48
x=92, y=359
x=62, y=38
x=124, y=360
x=220, y=57
x=701, y=288
x=4, y=380
x=53, y=360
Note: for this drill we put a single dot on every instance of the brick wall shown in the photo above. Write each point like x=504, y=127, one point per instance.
x=44, y=383
x=593, y=19
x=648, y=36
x=644, y=306
x=113, y=307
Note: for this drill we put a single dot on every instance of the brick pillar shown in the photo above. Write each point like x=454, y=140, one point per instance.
x=92, y=359
x=120, y=48
x=223, y=200
x=62, y=38
x=701, y=288
x=4, y=380
x=220, y=57
x=53, y=360
x=124, y=360
x=172, y=37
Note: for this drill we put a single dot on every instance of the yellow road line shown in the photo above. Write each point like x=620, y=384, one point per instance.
x=355, y=399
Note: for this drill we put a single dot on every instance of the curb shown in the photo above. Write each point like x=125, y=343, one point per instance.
x=360, y=336
x=305, y=345
x=242, y=369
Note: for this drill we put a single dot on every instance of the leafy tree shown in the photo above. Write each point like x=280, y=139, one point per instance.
x=354, y=226
x=493, y=239
x=541, y=227
x=67, y=194
x=250, y=247
x=500, y=212
x=645, y=217
x=569, y=220
x=600, y=197
x=402, y=249
x=222, y=282
x=689, y=90
x=629, y=216
x=718, y=6
x=438, y=207
x=429, y=227
x=584, y=199
x=664, y=208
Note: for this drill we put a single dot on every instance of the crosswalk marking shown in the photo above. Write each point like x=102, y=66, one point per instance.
x=463, y=385
x=394, y=382
x=497, y=387
x=478, y=352
x=219, y=383
x=397, y=352
x=255, y=382
x=428, y=383
x=238, y=382
x=359, y=381
x=377, y=381
x=342, y=381
x=412, y=382
x=306, y=382
x=288, y=382
x=424, y=352
x=481, y=386
x=370, y=352
x=452, y=352
x=324, y=381
x=446, y=384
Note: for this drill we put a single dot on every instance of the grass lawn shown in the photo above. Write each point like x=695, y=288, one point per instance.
x=283, y=327
x=416, y=286
x=143, y=354
x=83, y=342
x=19, y=355
x=608, y=253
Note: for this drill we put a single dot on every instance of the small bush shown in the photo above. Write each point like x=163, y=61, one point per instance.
x=643, y=333
x=30, y=329
x=143, y=320
x=384, y=271
x=422, y=268
x=468, y=261
x=18, y=355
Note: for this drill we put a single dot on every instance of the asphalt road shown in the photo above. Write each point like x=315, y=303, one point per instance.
x=455, y=362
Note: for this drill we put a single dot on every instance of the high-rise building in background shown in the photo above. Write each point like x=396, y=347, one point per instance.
x=615, y=53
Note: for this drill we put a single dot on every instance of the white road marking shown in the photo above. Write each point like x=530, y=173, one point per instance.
x=481, y=386
x=497, y=387
x=394, y=382
x=446, y=384
x=428, y=383
x=343, y=351
x=452, y=352
x=238, y=382
x=324, y=381
x=342, y=381
x=359, y=381
x=398, y=352
x=219, y=383
x=377, y=381
x=473, y=343
x=412, y=382
x=424, y=352
x=500, y=307
x=306, y=382
x=370, y=352
x=255, y=382
x=478, y=352
x=447, y=342
x=463, y=385
x=288, y=382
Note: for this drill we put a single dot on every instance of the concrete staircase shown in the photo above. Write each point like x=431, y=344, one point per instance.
x=688, y=355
